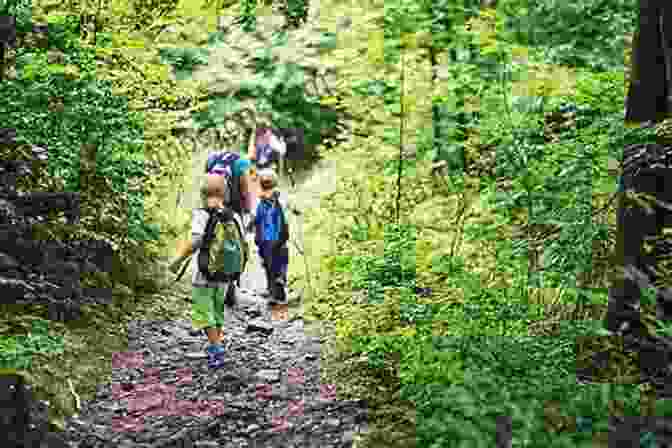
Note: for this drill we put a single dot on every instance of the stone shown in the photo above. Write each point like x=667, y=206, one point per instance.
x=268, y=376
x=164, y=369
x=8, y=212
x=7, y=262
x=24, y=420
x=260, y=326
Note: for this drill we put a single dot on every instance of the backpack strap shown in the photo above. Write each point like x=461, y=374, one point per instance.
x=284, y=231
x=209, y=228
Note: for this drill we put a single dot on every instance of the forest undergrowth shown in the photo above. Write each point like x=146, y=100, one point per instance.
x=468, y=275
x=483, y=300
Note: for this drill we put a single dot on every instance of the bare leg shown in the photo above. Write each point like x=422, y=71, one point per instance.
x=213, y=335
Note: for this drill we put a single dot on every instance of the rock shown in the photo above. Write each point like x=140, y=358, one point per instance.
x=8, y=212
x=175, y=373
x=261, y=326
x=40, y=153
x=64, y=311
x=25, y=421
x=99, y=295
x=7, y=262
x=268, y=376
x=14, y=290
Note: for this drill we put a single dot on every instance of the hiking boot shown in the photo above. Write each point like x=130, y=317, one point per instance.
x=278, y=296
x=230, y=299
x=215, y=356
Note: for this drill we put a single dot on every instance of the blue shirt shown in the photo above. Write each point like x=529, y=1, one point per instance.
x=268, y=220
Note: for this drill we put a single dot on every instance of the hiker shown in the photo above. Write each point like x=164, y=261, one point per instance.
x=267, y=148
x=217, y=263
x=244, y=190
x=240, y=196
x=272, y=233
x=294, y=151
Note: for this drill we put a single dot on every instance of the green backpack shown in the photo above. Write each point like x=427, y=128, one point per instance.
x=223, y=255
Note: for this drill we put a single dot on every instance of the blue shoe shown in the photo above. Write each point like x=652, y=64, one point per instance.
x=215, y=356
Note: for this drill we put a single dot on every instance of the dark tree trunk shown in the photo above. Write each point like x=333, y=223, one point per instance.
x=651, y=76
x=646, y=168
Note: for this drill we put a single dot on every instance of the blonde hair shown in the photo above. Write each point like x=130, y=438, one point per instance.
x=268, y=180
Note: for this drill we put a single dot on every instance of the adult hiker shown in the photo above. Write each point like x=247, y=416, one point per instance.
x=272, y=233
x=240, y=198
x=267, y=148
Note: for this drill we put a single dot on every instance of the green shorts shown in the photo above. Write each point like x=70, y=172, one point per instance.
x=208, y=306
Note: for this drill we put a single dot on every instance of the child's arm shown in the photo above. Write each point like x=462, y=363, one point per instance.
x=184, y=250
x=252, y=147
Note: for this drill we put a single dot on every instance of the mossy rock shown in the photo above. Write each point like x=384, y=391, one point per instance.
x=664, y=132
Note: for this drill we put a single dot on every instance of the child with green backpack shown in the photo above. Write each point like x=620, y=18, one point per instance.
x=217, y=262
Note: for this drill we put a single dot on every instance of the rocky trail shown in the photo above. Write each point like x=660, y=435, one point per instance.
x=268, y=394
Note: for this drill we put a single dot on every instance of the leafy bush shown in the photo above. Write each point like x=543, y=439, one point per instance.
x=580, y=34
x=89, y=114
x=279, y=92
x=21, y=10
x=184, y=60
x=16, y=352
x=394, y=269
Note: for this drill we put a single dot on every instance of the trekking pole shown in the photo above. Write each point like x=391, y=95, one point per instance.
x=302, y=250
x=184, y=268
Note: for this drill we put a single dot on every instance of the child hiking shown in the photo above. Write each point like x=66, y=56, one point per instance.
x=271, y=235
x=209, y=290
x=218, y=245
x=240, y=197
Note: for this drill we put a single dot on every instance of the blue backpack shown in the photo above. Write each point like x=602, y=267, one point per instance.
x=223, y=163
x=270, y=221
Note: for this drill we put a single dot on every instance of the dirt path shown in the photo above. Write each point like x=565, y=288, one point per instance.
x=268, y=394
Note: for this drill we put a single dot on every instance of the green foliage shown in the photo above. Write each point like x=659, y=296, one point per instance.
x=296, y=12
x=16, y=352
x=602, y=92
x=279, y=90
x=184, y=60
x=248, y=15
x=580, y=34
x=147, y=11
x=216, y=37
x=328, y=40
x=22, y=12
x=465, y=411
x=376, y=348
x=441, y=17
x=90, y=114
x=394, y=269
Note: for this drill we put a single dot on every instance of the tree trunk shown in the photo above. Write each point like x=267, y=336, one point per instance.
x=651, y=74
